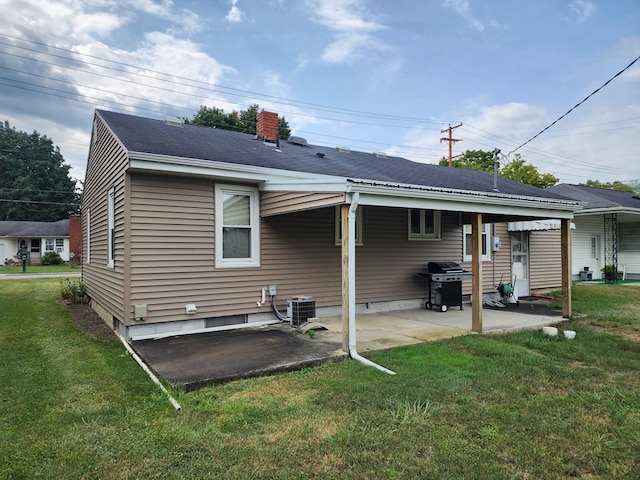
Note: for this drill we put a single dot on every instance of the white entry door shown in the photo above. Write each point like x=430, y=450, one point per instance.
x=594, y=260
x=520, y=262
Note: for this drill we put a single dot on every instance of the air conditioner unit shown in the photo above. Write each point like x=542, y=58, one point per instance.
x=300, y=309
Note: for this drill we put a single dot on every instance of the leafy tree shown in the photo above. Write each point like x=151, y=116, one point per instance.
x=34, y=179
x=518, y=170
x=215, y=117
x=472, y=160
x=616, y=185
x=243, y=121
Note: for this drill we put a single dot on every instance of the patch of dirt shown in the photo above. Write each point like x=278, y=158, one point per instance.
x=90, y=322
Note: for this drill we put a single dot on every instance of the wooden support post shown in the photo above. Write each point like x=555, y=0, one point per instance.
x=476, y=269
x=565, y=245
x=344, y=223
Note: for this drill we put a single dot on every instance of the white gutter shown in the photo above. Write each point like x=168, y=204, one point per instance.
x=605, y=210
x=352, y=289
x=135, y=356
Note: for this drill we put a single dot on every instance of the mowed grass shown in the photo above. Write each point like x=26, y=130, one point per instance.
x=519, y=405
x=17, y=269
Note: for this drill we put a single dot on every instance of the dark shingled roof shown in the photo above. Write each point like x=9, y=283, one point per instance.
x=593, y=198
x=144, y=135
x=35, y=229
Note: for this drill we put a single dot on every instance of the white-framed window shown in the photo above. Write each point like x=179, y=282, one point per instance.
x=237, y=240
x=87, y=255
x=424, y=225
x=486, y=238
x=338, y=226
x=629, y=235
x=59, y=245
x=49, y=244
x=111, y=241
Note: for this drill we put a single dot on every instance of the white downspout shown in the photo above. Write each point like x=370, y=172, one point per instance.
x=352, y=288
x=140, y=362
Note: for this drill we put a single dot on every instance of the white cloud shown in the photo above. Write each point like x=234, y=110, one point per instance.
x=348, y=47
x=353, y=31
x=78, y=27
x=235, y=15
x=463, y=9
x=583, y=9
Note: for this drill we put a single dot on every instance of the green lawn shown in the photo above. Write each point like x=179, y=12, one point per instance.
x=17, y=269
x=519, y=405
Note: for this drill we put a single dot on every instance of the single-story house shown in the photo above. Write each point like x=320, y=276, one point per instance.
x=607, y=231
x=37, y=238
x=189, y=229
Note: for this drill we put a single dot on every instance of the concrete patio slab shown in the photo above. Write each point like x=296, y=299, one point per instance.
x=192, y=361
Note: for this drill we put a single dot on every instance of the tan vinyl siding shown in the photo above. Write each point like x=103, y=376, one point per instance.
x=276, y=203
x=545, y=259
x=105, y=169
x=172, y=249
x=172, y=233
x=500, y=268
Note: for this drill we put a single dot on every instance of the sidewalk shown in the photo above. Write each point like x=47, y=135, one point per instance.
x=22, y=276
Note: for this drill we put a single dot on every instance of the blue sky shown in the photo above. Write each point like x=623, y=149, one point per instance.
x=372, y=75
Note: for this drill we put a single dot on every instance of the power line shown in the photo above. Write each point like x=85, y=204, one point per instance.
x=577, y=105
x=206, y=85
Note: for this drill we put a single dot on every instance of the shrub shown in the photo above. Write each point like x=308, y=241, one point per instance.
x=51, y=258
x=74, y=291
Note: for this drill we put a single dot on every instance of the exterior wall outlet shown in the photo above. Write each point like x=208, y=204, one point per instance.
x=140, y=312
x=191, y=308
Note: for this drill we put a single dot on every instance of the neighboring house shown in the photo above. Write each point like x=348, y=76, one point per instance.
x=186, y=228
x=607, y=230
x=39, y=238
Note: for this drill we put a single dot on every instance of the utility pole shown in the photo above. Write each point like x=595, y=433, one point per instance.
x=451, y=141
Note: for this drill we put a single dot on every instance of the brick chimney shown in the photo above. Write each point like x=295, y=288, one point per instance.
x=267, y=125
x=75, y=237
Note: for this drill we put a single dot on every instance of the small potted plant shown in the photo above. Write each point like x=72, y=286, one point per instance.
x=610, y=271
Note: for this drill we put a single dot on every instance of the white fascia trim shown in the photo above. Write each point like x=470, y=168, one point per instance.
x=605, y=210
x=209, y=168
x=326, y=185
x=477, y=202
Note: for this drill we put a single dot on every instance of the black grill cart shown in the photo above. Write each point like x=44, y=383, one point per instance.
x=444, y=285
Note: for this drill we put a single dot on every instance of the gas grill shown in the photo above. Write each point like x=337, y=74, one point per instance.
x=444, y=282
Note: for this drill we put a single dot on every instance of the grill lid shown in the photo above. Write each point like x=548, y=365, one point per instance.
x=443, y=267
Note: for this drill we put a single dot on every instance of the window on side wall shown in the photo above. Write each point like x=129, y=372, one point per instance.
x=424, y=225
x=338, y=226
x=486, y=238
x=629, y=235
x=237, y=241
x=111, y=241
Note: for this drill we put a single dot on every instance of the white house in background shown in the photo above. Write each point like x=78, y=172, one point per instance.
x=607, y=230
x=38, y=238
